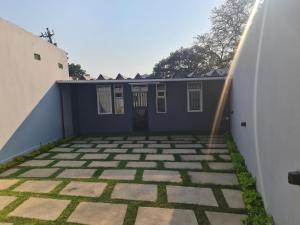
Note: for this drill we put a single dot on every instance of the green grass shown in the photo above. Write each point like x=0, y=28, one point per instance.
x=254, y=205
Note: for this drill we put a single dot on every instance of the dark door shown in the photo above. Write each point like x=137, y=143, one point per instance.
x=140, y=108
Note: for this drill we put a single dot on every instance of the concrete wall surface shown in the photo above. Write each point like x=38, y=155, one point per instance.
x=265, y=94
x=30, y=112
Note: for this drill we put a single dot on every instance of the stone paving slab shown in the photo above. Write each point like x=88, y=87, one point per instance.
x=176, y=142
x=44, y=172
x=36, y=163
x=216, y=145
x=146, y=142
x=95, y=156
x=114, y=138
x=132, y=146
x=6, y=223
x=121, y=174
x=37, y=186
x=81, y=145
x=183, y=165
x=214, y=151
x=77, y=173
x=220, y=165
x=136, y=138
x=233, y=198
x=98, y=213
x=188, y=146
x=65, y=156
x=42, y=156
x=9, y=172
x=122, y=142
x=225, y=157
x=145, y=150
x=40, y=208
x=61, y=149
x=88, y=150
x=6, y=200
x=116, y=150
x=159, y=146
x=107, y=146
x=100, y=142
x=213, y=178
x=87, y=189
x=191, y=195
x=69, y=163
x=64, y=145
x=128, y=157
x=164, y=216
x=141, y=164
x=162, y=176
x=217, y=218
x=160, y=157
x=179, y=151
x=137, y=192
x=158, y=138
x=104, y=164
x=197, y=157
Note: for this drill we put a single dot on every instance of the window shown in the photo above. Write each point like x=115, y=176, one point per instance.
x=104, y=99
x=60, y=66
x=119, y=99
x=194, y=97
x=161, y=100
x=37, y=56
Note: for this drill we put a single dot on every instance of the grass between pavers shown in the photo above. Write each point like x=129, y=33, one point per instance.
x=253, y=202
x=106, y=195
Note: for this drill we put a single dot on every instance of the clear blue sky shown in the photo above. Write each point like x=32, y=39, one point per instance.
x=114, y=36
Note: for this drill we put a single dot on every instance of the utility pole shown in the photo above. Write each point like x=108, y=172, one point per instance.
x=48, y=35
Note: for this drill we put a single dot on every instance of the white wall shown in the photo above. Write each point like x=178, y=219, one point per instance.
x=30, y=112
x=266, y=94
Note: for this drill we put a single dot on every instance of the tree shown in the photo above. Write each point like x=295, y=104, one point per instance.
x=75, y=71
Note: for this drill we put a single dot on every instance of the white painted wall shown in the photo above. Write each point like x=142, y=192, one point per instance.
x=29, y=98
x=266, y=94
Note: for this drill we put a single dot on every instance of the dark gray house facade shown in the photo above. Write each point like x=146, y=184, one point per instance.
x=148, y=105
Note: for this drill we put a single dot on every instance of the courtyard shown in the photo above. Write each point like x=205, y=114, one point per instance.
x=125, y=180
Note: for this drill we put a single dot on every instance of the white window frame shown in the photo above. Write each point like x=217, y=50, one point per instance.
x=98, y=100
x=164, y=97
x=115, y=98
x=193, y=90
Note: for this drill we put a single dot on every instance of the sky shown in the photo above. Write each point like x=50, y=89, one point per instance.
x=114, y=36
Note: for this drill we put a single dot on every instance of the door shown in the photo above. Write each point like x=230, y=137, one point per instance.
x=140, y=107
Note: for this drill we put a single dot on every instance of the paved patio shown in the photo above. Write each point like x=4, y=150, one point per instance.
x=118, y=180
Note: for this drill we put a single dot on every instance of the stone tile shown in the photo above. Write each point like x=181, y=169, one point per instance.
x=40, y=208
x=92, y=213
x=37, y=186
x=107, y=145
x=141, y=164
x=36, y=163
x=116, y=150
x=184, y=139
x=132, y=146
x=191, y=195
x=145, y=150
x=5, y=201
x=65, y=156
x=104, y=164
x=9, y=172
x=77, y=173
x=164, y=216
x=161, y=176
x=218, y=218
x=87, y=189
x=216, y=145
x=233, y=198
x=159, y=146
x=45, y=172
x=100, y=142
x=225, y=157
x=146, y=142
x=176, y=142
x=160, y=157
x=136, y=138
x=158, y=138
x=42, y=156
x=214, y=151
x=115, y=174
x=94, y=156
x=188, y=146
x=179, y=151
x=220, y=165
x=138, y=192
x=61, y=149
x=64, y=145
x=69, y=163
x=197, y=157
x=128, y=157
x=122, y=142
x=88, y=150
x=6, y=223
x=183, y=165
x=114, y=138
x=82, y=146
x=213, y=178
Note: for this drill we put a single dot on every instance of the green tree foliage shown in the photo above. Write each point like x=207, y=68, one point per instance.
x=75, y=71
